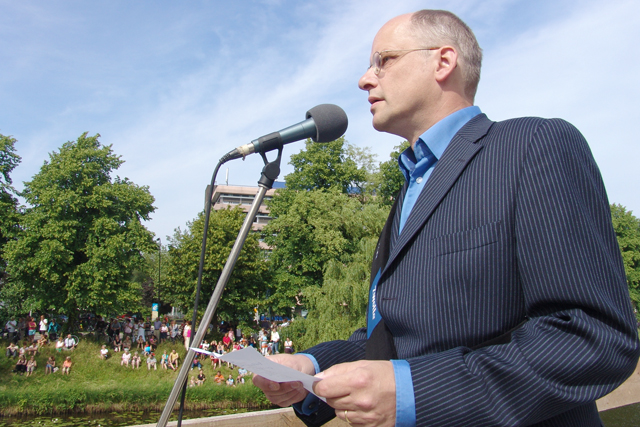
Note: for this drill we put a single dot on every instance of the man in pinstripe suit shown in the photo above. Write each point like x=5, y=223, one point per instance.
x=498, y=294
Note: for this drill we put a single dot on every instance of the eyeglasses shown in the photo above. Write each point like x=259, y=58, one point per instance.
x=380, y=58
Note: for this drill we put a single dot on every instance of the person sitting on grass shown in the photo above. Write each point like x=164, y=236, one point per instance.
x=230, y=381
x=192, y=382
x=31, y=365
x=201, y=378
x=140, y=342
x=117, y=343
x=153, y=341
x=164, y=360
x=127, y=342
x=51, y=364
x=59, y=345
x=219, y=378
x=12, y=350
x=69, y=343
x=174, y=358
x=21, y=365
x=66, y=366
x=104, y=353
x=240, y=380
x=152, y=362
x=242, y=372
x=147, y=349
x=135, y=361
x=196, y=364
x=126, y=358
x=32, y=349
x=43, y=341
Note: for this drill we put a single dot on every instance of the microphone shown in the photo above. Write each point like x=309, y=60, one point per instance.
x=324, y=123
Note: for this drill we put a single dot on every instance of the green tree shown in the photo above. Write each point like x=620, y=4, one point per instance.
x=328, y=165
x=246, y=284
x=314, y=228
x=390, y=180
x=8, y=203
x=82, y=236
x=339, y=307
x=627, y=229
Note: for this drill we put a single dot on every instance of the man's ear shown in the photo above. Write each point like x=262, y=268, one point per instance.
x=446, y=63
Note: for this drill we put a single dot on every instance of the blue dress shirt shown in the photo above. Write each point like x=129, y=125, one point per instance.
x=416, y=164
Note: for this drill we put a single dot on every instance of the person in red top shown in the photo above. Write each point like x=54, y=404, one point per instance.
x=31, y=326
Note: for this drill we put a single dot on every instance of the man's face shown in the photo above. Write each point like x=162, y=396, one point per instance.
x=402, y=93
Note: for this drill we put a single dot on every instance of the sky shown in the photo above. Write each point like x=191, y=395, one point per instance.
x=173, y=86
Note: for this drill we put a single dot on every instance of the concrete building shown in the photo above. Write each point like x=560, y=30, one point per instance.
x=225, y=196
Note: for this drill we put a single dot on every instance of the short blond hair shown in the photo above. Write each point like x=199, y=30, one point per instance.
x=441, y=27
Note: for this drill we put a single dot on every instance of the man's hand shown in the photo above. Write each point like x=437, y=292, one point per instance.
x=286, y=394
x=366, y=390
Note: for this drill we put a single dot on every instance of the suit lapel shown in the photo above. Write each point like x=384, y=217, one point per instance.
x=463, y=147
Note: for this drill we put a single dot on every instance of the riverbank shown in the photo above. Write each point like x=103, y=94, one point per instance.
x=100, y=386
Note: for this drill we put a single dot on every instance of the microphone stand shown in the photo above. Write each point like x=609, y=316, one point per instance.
x=270, y=172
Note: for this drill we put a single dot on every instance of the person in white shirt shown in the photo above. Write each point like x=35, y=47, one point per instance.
x=69, y=343
x=104, y=353
x=126, y=358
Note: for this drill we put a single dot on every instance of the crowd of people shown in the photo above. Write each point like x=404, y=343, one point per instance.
x=137, y=341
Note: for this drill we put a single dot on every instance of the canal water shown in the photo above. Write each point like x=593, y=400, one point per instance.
x=114, y=419
x=625, y=416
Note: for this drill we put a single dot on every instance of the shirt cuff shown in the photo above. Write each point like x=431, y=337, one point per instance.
x=310, y=403
x=405, y=398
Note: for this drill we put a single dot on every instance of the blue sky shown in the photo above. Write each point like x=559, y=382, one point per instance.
x=173, y=85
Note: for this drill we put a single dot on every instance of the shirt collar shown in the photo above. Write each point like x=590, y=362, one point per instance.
x=435, y=140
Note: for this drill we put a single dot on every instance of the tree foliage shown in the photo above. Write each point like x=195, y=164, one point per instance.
x=627, y=229
x=340, y=306
x=81, y=236
x=245, y=287
x=328, y=165
x=315, y=228
x=390, y=180
x=8, y=203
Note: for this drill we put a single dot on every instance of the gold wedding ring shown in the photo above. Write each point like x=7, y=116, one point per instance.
x=347, y=418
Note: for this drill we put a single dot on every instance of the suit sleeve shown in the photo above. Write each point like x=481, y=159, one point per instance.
x=326, y=355
x=580, y=342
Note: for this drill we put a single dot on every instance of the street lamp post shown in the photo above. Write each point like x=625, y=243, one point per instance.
x=159, y=270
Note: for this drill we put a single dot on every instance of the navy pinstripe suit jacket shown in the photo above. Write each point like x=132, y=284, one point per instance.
x=513, y=224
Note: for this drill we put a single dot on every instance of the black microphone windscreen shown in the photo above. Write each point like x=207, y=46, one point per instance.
x=331, y=122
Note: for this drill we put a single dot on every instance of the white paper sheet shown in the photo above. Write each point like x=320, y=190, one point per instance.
x=250, y=359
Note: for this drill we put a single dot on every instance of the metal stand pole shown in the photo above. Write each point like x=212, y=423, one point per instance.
x=270, y=172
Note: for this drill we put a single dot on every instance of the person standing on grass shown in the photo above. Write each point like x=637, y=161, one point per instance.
x=187, y=334
x=66, y=366
x=275, y=339
x=12, y=326
x=31, y=326
x=53, y=330
x=164, y=332
x=44, y=325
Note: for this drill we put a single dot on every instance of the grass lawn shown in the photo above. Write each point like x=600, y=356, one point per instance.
x=97, y=385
